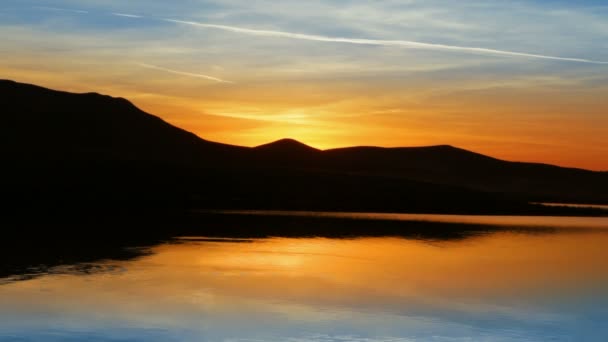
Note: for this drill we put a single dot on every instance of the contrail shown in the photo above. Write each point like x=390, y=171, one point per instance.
x=359, y=41
x=399, y=43
x=126, y=15
x=183, y=73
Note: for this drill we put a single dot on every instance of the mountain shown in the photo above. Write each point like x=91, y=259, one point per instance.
x=454, y=166
x=63, y=151
x=286, y=146
x=43, y=124
x=450, y=165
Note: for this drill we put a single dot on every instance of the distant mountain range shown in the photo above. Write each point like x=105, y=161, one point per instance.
x=63, y=150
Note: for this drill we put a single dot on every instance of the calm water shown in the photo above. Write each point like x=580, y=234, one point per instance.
x=497, y=286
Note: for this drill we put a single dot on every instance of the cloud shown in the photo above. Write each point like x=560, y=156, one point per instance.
x=183, y=73
x=60, y=9
x=397, y=43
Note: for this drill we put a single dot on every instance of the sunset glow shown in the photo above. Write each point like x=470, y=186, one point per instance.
x=522, y=81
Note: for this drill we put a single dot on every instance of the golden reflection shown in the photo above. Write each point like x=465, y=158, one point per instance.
x=278, y=274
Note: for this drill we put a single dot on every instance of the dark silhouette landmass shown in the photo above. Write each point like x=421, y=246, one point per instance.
x=85, y=154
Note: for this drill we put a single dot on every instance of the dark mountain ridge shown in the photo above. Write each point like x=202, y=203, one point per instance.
x=70, y=149
x=43, y=124
x=288, y=146
x=450, y=165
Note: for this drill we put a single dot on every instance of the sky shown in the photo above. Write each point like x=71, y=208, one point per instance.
x=519, y=80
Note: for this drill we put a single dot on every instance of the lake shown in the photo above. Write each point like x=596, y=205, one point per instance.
x=501, y=279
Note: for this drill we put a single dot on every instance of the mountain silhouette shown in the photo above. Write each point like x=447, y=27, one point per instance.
x=64, y=150
x=287, y=146
x=450, y=165
x=42, y=124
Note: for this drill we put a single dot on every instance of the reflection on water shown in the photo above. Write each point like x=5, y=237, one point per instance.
x=504, y=286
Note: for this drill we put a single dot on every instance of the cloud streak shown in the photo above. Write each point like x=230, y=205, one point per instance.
x=183, y=73
x=396, y=43
x=45, y=8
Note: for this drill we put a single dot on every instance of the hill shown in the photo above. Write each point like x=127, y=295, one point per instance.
x=40, y=124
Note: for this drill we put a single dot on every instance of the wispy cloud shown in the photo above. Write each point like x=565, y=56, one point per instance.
x=183, y=73
x=60, y=9
x=397, y=43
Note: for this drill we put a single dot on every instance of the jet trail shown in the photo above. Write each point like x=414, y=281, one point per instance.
x=183, y=73
x=398, y=43
x=126, y=15
x=358, y=41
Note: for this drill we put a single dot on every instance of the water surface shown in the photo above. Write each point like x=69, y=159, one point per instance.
x=505, y=285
